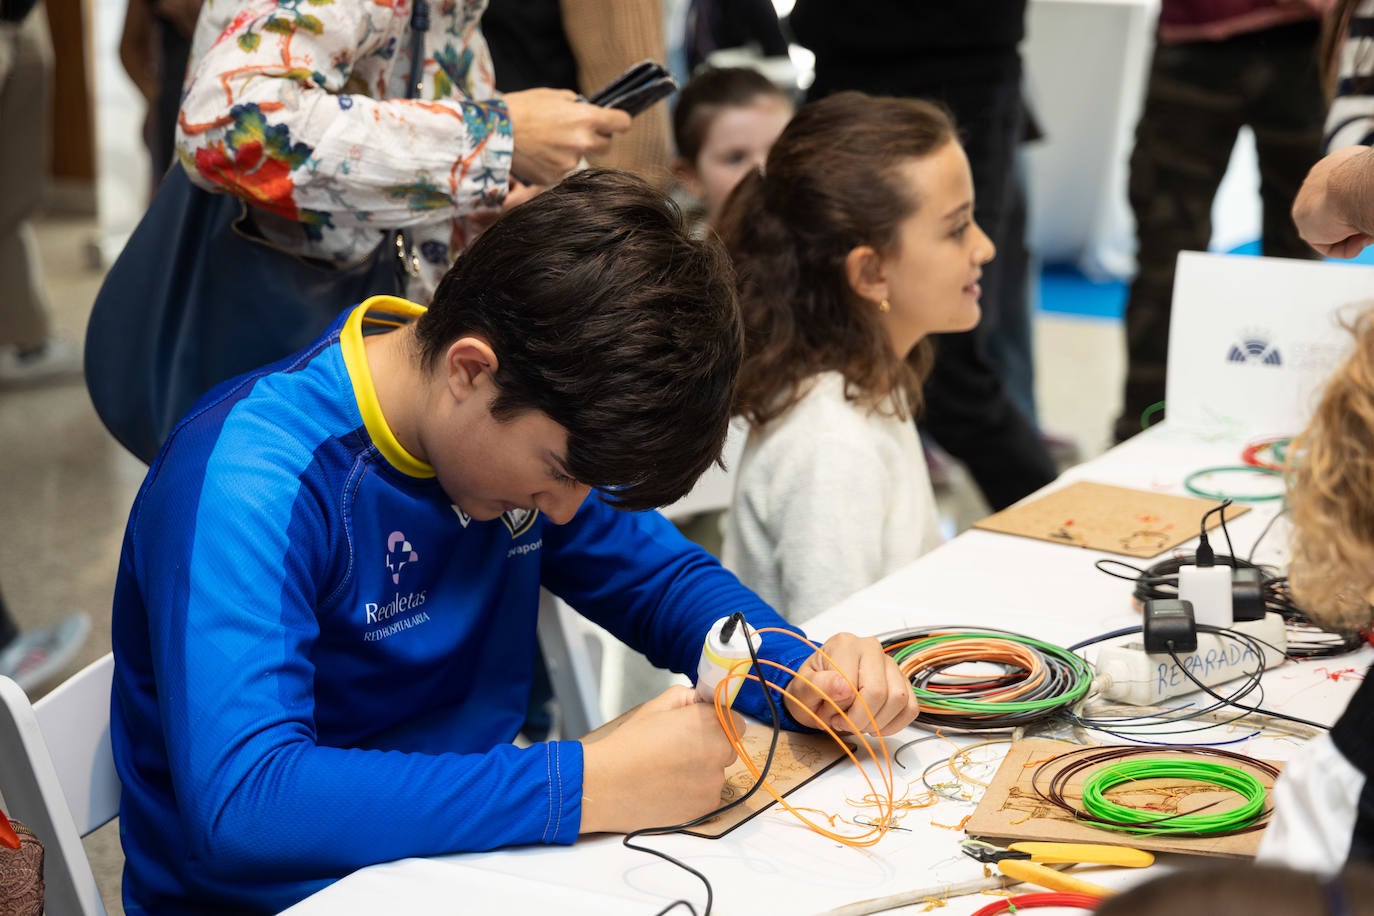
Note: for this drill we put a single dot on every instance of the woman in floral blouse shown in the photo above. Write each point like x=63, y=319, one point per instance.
x=299, y=107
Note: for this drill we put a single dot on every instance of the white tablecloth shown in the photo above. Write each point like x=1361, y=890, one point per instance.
x=772, y=864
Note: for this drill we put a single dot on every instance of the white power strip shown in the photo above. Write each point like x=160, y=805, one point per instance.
x=1129, y=674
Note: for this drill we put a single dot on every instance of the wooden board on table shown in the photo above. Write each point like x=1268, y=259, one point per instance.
x=1011, y=810
x=799, y=758
x=1097, y=516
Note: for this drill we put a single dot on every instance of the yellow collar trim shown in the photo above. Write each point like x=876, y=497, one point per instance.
x=387, y=311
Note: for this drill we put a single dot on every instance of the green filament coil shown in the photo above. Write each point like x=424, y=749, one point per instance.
x=1116, y=816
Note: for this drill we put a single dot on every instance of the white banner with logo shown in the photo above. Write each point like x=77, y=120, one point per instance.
x=1252, y=340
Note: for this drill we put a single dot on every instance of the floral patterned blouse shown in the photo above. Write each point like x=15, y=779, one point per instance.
x=299, y=107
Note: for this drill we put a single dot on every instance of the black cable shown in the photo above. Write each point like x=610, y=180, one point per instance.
x=736, y=618
x=1253, y=643
x=1252, y=682
x=1204, y=555
x=1264, y=532
x=1306, y=639
x=1278, y=597
x=1212, y=693
x=1226, y=532
x=1161, y=581
x=1094, y=640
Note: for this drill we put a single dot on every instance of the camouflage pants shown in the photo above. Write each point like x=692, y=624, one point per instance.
x=1199, y=96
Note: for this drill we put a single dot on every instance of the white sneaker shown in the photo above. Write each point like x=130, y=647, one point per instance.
x=37, y=656
x=56, y=360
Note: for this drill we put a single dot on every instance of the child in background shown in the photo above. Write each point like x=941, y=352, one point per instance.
x=725, y=121
x=854, y=245
x=1323, y=807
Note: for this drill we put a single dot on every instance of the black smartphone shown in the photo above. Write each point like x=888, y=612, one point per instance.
x=636, y=89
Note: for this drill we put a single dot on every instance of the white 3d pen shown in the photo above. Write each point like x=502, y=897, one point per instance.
x=727, y=645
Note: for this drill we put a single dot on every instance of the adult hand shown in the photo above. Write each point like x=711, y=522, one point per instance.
x=665, y=764
x=553, y=132
x=519, y=193
x=1329, y=206
x=879, y=681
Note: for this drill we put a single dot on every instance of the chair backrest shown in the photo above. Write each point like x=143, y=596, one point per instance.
x=57, y=775
x=716, y=488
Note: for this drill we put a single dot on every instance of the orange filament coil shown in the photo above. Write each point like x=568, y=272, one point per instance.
x=874, y=745
x=1032, y=679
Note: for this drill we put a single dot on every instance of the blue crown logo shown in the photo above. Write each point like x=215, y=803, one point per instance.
x=1254, y=350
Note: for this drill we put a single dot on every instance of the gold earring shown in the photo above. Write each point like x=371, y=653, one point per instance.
x=884, y=306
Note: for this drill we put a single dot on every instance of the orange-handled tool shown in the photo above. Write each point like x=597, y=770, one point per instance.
x=1085, y=853
x=1055, y=880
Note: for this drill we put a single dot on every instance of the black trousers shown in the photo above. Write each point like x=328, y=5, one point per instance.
x=968, y=411
x=1198, y=97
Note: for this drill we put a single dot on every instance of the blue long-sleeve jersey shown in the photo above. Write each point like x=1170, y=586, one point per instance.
x=321, y=662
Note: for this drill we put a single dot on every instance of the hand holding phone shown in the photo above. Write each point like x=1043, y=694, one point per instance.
x=553, y=131
x=636, y=89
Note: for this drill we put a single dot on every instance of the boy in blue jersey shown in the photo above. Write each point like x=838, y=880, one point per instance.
x=324, y=620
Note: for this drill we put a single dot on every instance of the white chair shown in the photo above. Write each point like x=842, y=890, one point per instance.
x=57, y=775
x=587, y=664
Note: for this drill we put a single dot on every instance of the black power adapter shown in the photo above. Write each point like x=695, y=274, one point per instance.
x=1168, y=626
x=1247, y=594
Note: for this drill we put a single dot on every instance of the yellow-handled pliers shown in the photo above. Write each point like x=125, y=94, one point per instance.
x=1025, y=861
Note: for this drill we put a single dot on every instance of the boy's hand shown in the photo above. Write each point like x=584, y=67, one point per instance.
x=880, y=683
x=665, y=764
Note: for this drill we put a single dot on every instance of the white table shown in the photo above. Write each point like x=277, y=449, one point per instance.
x=772, y=864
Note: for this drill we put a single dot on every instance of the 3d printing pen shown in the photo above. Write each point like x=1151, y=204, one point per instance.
x=727, y=644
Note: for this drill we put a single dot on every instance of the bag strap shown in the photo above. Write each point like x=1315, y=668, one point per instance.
x=407, y=261
x=419, y=25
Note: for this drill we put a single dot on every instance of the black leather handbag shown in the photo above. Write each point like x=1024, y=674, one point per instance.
x=197, y=297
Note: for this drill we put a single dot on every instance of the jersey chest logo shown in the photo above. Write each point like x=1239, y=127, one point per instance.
x=399, y=555
x=518, y=521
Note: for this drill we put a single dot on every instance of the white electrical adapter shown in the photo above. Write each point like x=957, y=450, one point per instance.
x=1208, y=588
x=1129, y=674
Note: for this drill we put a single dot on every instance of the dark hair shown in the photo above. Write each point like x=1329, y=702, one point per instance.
x=831, y=184
x=1244, y=887
x=710, y=90
x=610, y=318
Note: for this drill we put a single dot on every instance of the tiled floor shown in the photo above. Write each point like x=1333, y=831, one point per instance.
x=71, y=486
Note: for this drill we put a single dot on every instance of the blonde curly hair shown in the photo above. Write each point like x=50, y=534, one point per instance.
x=1331, y=494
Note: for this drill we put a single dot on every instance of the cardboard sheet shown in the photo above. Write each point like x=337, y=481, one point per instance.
x=799, y=759
x=1121, y=520
x=1010, y=809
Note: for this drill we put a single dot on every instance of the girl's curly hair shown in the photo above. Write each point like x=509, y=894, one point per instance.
x=1331, y=493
